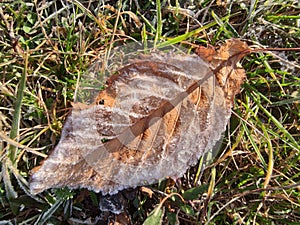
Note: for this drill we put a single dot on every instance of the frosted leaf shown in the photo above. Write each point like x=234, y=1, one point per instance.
x=156, y=116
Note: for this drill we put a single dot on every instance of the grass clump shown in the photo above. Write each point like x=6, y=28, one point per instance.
x=47, y=46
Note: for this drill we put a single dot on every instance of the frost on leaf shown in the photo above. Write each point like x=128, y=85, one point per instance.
x=155, y=118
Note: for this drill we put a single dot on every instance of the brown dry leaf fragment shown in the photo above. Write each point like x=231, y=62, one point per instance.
x=207, y=54
x=147, y=191
x=158, y=115
x=121, y=219
x=79, y=106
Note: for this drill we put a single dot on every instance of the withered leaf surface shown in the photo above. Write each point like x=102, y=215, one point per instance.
x=155, y=118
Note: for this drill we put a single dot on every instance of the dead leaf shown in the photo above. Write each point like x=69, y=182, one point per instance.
x=157, y=116
x=207, y=54
x=120, y=219
x=147, y=191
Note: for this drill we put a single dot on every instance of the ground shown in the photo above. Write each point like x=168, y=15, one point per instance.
x=47, y=45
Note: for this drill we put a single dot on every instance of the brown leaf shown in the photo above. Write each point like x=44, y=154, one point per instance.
x=155, y=118
x=207, y=54
x=147, y=191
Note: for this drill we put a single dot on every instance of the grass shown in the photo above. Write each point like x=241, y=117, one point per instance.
x=46, y=47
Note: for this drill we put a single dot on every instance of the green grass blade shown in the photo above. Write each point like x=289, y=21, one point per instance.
x=86, y=11
x=158, y=33
x=294, y=143
x=47, y=214
x=185, y=36
x=17, y=112
x=6, y=176
x=254, y=145
x=147, y=22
